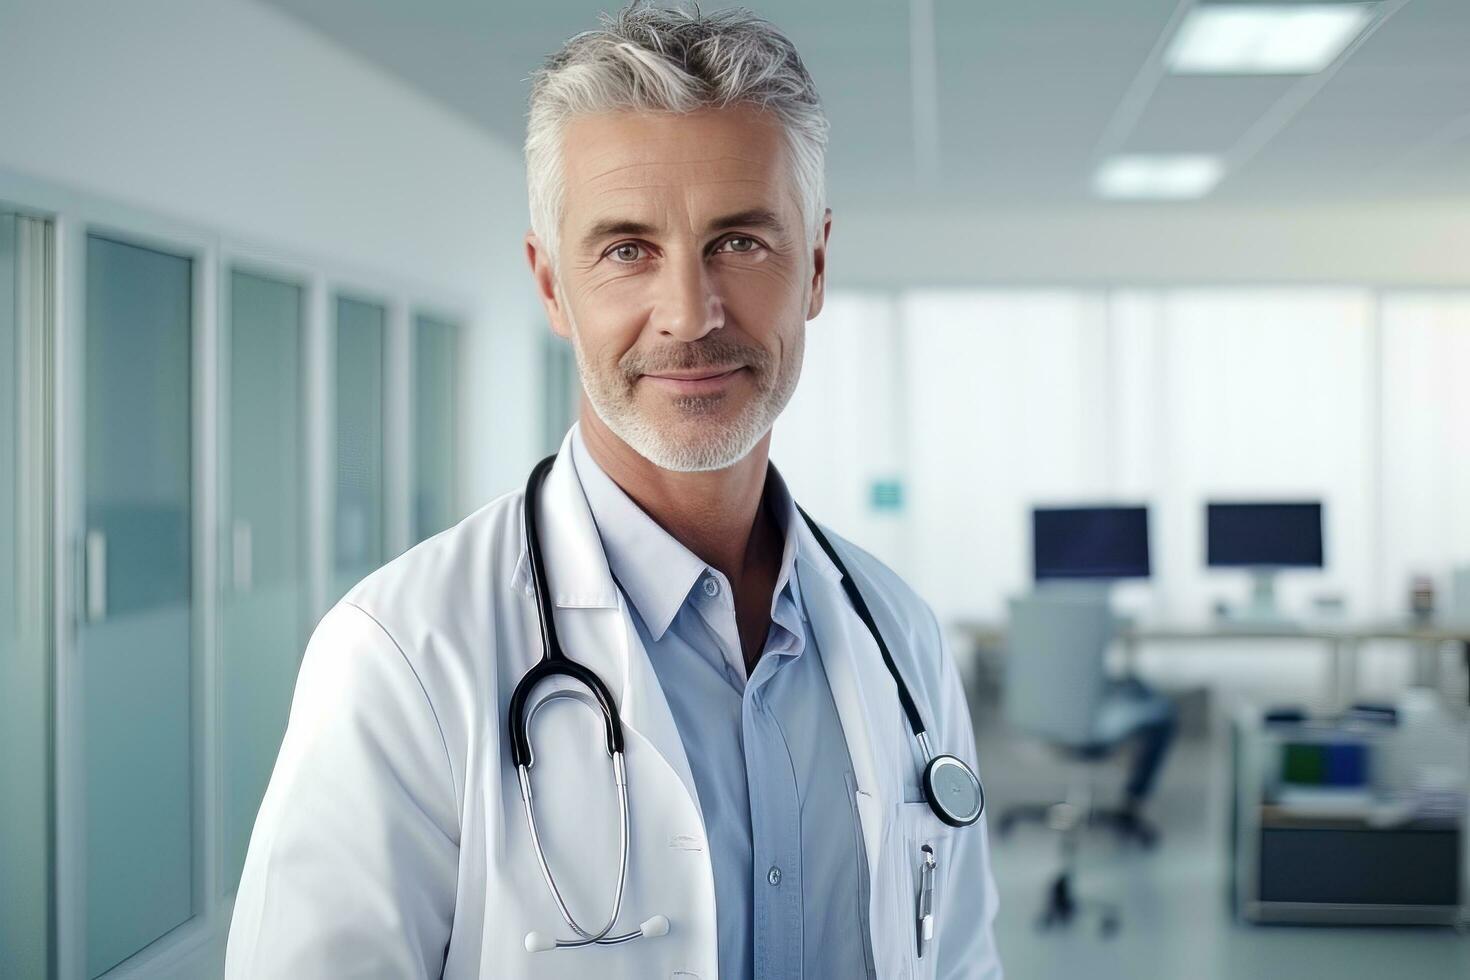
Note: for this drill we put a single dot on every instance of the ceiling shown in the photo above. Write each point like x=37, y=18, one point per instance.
x=1029, y=93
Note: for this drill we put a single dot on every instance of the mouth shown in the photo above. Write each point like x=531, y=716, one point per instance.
x=699, y=381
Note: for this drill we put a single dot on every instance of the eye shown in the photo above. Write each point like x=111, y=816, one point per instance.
x=626, y=252
x=740, y=243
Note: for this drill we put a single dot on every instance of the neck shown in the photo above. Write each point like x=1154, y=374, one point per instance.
x=716, y=514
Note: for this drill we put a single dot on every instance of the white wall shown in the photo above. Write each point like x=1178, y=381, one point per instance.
x=845, y=426
x=1266, y=393
x=1190, y=243
x=1425, y=437
x=228, y=115
x=1004, y=393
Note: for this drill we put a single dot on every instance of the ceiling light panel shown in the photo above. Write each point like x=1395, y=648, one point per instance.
x=1265, y=39
x=1169, y=178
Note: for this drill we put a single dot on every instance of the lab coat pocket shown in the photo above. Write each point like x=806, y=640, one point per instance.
x=925, y=850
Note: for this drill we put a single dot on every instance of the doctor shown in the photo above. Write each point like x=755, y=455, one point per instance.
x=776, y=818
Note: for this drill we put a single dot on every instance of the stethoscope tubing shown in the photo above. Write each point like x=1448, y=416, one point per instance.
x=855, y=596
x=588, y=937
x=553, y=662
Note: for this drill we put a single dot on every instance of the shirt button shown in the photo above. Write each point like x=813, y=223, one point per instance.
x=711, y=587
x=774, y=875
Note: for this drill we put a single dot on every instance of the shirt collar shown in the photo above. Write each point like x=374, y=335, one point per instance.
x=654, y=568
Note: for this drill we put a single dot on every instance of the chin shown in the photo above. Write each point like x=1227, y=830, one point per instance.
x=683, y=442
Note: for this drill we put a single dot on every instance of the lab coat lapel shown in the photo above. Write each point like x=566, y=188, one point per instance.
x=576, y=568
x=592, y=618
x=646, y=709
x=862, y=689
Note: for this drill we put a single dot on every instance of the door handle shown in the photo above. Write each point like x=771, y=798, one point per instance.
x=242, y=544
x=96, y=559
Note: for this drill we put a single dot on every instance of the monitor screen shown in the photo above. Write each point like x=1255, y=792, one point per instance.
x=1264, y=535
x=1089, y=542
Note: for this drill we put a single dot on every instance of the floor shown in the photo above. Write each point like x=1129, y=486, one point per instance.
x=1175, y=918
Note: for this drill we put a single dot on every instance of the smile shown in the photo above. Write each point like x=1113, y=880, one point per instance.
x=698, y=382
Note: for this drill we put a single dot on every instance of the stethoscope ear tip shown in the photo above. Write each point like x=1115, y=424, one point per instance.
x=658, y=925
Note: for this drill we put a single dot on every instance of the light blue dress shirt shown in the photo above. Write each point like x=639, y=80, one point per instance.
x=767, y=752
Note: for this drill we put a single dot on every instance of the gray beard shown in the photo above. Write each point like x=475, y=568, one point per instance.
x=715, y=445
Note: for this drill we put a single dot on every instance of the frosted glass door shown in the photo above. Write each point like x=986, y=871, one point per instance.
x=263, y=612
x=13, y=782
x=27, y=500
x=361, y=330
x=9, y=474
x=135, y=638
x=433, y=425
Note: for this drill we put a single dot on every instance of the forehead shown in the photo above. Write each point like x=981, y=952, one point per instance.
x=642, y=161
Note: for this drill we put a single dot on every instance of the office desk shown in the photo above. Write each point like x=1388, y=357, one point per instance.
x=1340, y=639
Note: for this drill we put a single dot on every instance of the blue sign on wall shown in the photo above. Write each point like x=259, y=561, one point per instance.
x=887, y=495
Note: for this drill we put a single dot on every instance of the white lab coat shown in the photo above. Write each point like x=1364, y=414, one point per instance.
x=391, y=841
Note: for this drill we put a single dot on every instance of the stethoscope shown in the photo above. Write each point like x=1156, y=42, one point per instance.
x=950, y=785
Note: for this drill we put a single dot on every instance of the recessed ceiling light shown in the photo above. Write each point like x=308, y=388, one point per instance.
x=1264, y=39
x=1173, y=178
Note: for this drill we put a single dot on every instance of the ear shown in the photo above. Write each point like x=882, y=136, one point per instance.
x=545, y=278
x=819, y=268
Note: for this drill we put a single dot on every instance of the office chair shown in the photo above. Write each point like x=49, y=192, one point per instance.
x=1056, y=691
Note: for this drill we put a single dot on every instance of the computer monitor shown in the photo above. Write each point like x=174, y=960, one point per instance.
x=1263, y=537
x=1089, y=543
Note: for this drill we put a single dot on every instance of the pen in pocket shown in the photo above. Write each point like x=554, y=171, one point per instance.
x=926, y=899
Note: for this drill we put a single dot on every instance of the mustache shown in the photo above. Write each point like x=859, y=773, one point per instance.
x=705, y=352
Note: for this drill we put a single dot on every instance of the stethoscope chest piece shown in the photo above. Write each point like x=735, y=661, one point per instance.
x=953, y=791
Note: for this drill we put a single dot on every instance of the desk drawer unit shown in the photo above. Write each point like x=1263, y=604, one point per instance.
x=1408, y=874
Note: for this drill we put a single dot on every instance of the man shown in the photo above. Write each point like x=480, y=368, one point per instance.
x=777, y=818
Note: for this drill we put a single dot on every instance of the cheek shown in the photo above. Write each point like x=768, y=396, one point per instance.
x=765, y=307
x=605, y=328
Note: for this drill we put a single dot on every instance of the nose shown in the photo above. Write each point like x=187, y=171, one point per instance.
x=688, y=305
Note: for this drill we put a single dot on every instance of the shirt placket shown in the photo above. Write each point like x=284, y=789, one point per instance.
x=775, y=830
x=775, y=808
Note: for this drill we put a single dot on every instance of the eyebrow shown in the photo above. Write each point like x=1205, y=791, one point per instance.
x=749, y=218
x=614, y=226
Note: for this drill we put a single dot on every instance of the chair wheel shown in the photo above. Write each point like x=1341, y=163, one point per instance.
x=1108, y=928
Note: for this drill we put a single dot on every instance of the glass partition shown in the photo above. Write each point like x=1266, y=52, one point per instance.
x=263, y=609
x=433, y=426
x=359, y=526
x=26, y=501
x=136, y=676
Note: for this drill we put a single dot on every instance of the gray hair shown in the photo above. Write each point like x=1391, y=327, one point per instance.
x=654, y=59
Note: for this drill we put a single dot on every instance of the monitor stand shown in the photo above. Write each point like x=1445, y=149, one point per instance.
x=1077, y=588
x=1262, y=609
